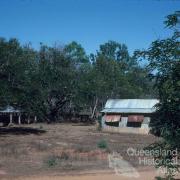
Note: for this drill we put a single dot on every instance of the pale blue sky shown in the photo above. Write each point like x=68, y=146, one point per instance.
x=90, y=22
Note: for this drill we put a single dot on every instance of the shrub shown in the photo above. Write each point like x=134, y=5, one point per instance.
x=102, y=144
x=51, y=161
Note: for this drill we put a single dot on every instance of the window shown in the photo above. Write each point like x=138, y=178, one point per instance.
x=134, y=124
x=112, y=120
x=135, y=121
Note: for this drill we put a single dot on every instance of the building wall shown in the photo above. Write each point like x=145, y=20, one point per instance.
x=144, y=129
x=145, y=123
x=123, y=122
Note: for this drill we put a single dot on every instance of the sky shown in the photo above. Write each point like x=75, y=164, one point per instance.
x=89, y=22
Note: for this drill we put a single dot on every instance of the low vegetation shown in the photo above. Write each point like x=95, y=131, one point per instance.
x=102, y=144
x=64, y=147
x=51, y=161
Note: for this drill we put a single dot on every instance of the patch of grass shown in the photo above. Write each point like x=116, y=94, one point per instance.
x=102, y=144
x=40, y=127
x=51, y=161
x=57, y=160
x=40, y=146
x=64, y=156
x=12, y=150
x=82, y=148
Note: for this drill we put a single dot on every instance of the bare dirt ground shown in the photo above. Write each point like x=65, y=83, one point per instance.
x=67, y=152
x=96, y=176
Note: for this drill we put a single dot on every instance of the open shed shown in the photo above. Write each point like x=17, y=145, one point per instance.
x=10, y=112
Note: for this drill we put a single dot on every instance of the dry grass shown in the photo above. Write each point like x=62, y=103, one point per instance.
x=62, y=147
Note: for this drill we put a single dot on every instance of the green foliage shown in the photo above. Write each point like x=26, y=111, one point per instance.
x=114, y=51
x=53, y=81
x=76, y=53
x=17, y=66
x=51, y=161
x=57, y=81
x=102, y=144
x=164, y=62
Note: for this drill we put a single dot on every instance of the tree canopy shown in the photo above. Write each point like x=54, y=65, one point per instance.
x=164, y=63
x=51, y=80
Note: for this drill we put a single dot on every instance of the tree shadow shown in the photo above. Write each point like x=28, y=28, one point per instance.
x=20, y=131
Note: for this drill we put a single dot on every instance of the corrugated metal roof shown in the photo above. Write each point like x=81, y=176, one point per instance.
x=130, y=105
x=10, y=109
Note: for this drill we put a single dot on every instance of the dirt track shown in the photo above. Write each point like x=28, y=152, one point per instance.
x=92, y=175
x=144, y=176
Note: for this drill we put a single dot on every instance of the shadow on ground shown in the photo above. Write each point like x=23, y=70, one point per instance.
x=83, y=124
x=20, y=131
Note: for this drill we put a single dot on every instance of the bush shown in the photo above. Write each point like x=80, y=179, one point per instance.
x=51, y=161
x=102, y=144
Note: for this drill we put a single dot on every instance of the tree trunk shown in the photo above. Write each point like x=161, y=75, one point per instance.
x=35, y=119
x=19, y=119
x=28, y=120
x=94, y=109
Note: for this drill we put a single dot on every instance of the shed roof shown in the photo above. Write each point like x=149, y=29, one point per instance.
x=130, y=105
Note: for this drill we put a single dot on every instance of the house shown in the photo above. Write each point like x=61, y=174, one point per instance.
x=128, y=115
